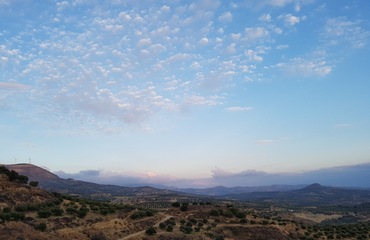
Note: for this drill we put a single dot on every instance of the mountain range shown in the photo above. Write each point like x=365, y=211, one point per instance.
x=314, y=194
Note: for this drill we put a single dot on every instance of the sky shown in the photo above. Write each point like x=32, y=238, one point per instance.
x=183, y=92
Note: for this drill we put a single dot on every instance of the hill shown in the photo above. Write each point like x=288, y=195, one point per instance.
x=222, y=190
x=52, y=182
x=14, y=192
x=314, y=194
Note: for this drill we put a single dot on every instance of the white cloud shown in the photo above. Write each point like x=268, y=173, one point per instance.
x=264, y=142
x=13, y=85
x=342, y=125
x=275, y=3
x=252, y=56
x=284, y=46
x=144, y=42
x=306, y=67
x=290, y=19
x=204, y=41
x=226, y=17
x=343, y=31
x=254, y=34
x=265, y=18
x=239, y=109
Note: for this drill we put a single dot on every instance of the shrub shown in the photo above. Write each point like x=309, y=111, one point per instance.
x=214, y=212
x=184, y=208
x=34, y=183
x=41, y=227
x=162, y=225
x=44, y=213
x=151, y=231
x=169, y=228
x=56, y=211
x=187, y=229
x=176, y=204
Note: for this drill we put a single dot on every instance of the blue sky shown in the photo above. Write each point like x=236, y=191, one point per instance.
x=171, y=91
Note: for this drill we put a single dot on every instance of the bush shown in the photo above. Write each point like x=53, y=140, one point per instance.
x=151, y=231
x=34, y=183
x=44, y=213
x=57, y=211
x=214, y=212
x=169, y=228
x=162, y=225
x=176, y=204
x=21, y=208
x=184, y=208
x=41, y=227
x=16, y=216
x=187, y=229
x=98, y=236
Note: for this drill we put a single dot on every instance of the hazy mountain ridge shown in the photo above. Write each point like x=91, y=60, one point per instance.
x=314, y=194
x=52, y=182
x=222, y=190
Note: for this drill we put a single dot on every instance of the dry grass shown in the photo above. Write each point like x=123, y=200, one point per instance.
x=316, y=217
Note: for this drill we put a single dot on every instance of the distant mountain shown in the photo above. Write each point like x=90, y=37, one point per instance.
x=221, y=190
x=314, y=194
x=52, y=182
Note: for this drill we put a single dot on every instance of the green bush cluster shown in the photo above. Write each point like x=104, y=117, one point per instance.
x=141, y=214
x=13, y=175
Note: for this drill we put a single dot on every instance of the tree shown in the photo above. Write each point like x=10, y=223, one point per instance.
x=184, y=208
x=23, y=179
x=44, y=213
x=162, y=225
x=151, y=231
x=41, y=227
x=169, y=228
x=34, y=183
x=176, y=204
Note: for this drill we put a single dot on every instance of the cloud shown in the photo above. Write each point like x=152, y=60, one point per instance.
x=219, y=173
x=265, y=18
x=342, y=125
x=13, y=86
x=306, y=67
x=264, y=141
x=343, y=31
x=290, y=19
x=239, y=109
x=252, y=56
x=254, y=34
x=204, y=41
x=103, y=69
x=226, y=17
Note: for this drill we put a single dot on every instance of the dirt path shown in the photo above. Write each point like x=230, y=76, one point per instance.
x=166, y=217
